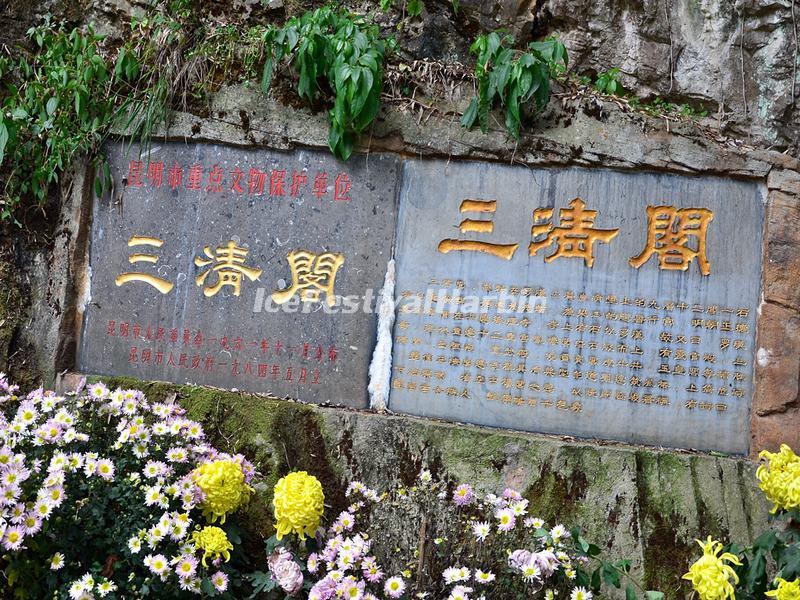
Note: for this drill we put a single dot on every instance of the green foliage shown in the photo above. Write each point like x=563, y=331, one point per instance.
x=512, y=78
x=774, y=554
x=608, y=82
x=334, y=53
x=54, y=105
x=608, y=573
x=412, y=8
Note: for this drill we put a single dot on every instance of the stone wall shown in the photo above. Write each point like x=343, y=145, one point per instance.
x=643, y=503
x=576, y=131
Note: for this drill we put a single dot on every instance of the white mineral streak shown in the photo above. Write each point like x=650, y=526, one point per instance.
x=380, y=369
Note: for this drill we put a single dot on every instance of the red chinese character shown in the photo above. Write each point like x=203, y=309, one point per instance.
x=132, y=355
x=215, y=180
x=149, y=334
x=248, y=369
x=175, y=176
x=123, y=329
x=238, y=344
x=275, y=371
x=303, y=376
x=332, y=353
x=195, y=181
x=209, y=364
x=306, y=347
x=146, y=354
x=264, y=346
x=196, y=361
x=155, y=174
x=187, y=337
x=298, y=181
x=341, y=186
x=159, y=357
x=256, y=181
x=276, y=181
x=160, y=334
x=182, y=360
x=288, y=374
x=278, y=346
x=111, y=328
x=198, y=339
x=262, y=370
x=137, y=331
x=224, y=342
x=135, y=173
x=321, y=184
x=237, y=175
x=316, y=378
x=173, y=335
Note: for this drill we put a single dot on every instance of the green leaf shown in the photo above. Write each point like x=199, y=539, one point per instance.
x=266, y=75
x=653, y=595
x=611, y=575
x=3, y=138
x=469, y=116
x=630, y=593
x=52, y=105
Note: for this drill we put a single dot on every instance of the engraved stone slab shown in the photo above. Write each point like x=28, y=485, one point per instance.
x=578, y=322
x=240, y=269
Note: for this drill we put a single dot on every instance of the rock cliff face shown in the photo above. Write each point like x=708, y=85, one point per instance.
x=737, y=60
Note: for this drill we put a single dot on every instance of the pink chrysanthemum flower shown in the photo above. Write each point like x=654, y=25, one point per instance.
x=220, y=581
x=505, y=519
x=463, y=495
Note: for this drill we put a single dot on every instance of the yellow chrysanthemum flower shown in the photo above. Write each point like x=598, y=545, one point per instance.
x=223, y=484
x=780, y=478
x=299, y=502
x=213, y=542
x=786, y=590
x=710, y=575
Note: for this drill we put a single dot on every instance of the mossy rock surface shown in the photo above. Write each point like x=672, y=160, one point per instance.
x=641, y=504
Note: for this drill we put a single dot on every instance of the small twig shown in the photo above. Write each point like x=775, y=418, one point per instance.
x=796, y=52
x=423, y=530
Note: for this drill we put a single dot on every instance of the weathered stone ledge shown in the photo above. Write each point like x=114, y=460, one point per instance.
x=566, y=135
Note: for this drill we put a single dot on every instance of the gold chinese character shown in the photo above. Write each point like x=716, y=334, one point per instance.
x=229, y=266
x=161, y=285
x=668, y=233
x=311, y=274
x=505, y=251
x=574, y=237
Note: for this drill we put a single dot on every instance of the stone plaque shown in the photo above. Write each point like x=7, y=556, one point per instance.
x=580, y=302
x=240, y=269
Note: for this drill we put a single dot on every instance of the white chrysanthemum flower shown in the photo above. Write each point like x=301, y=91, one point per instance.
x=56, y=561
x=580, y=593
x=135, y=545
x=481, y=530
x=484, y=576
x=105, y=588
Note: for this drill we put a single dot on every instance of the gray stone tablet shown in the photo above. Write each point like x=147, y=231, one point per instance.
x=580, y=302
x=240, y=269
